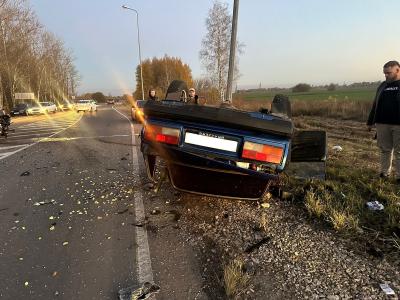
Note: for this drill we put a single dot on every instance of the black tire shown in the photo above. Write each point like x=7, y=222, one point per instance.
x=175, y=90
x=281, y=106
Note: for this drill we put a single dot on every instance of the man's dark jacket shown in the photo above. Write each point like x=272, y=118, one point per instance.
x=371, y=117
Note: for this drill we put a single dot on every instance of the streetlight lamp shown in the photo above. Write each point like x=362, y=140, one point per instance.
x=138, y=37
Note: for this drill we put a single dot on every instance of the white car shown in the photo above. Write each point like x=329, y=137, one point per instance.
x=42, y=108
x=86, y=105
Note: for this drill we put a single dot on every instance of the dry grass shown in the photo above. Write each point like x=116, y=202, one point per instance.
x=235, y=278
x=347, y=110
x=338, y=220
x=313, y=204
x=264, y=222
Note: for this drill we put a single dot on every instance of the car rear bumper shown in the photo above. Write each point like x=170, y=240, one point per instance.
x=201, y=175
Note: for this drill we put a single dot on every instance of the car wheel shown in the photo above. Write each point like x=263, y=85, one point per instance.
x=176, y=90
x=281, y=106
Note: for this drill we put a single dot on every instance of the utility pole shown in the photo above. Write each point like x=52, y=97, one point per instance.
x=232, y=54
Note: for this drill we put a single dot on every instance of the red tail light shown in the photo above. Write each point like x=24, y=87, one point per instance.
x=260, y=152
x=162, y=134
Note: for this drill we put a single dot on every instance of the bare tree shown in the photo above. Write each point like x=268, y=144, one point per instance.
x=32, y=59
x=214, y=53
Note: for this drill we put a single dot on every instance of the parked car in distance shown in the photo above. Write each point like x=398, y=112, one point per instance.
x=50, y=107
x=86, y=105
x=65, y=105
x=42, y=108
x=20, y=109
x=137, y=111
x=110, y=101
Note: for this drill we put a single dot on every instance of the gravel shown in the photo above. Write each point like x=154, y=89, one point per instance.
x=296, y=258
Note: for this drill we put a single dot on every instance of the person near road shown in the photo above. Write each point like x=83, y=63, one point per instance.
x=5, y=121
x=385, y=115
x=192, y=98
x=152, y=95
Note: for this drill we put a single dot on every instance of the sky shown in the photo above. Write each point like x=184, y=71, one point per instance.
x=286, y=42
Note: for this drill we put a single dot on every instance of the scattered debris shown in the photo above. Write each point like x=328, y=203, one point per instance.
x=54, y=274
x=3, y=209
x=337, y=148
x=144, y=292
x=26, y=173
x=176, y=214
x=123, y=158
x=148, y=186
x=387, y=289
x=123, y=211
x=52, y=228
x=52, y=201
x=375, y=205
x=265, y=205
x=155, y=212
x=65, y=243
x=256, y=244
x=26, y=283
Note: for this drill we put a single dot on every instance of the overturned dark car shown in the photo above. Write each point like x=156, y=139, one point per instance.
x=224, y=151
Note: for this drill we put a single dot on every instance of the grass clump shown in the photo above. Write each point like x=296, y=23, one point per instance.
x=235, y=278
x=313, y=204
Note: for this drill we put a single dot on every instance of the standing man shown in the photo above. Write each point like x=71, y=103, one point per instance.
x=193, y=98
x=385, y=114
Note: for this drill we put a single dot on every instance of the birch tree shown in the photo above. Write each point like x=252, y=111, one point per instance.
x=214, y=53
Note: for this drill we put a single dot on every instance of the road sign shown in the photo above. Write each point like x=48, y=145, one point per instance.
x=24, y=96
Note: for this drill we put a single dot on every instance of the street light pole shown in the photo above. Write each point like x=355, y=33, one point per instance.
x=138, y=37
x=232, y=54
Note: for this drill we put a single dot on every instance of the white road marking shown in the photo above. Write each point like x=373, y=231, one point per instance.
x=33, y=135
x=29, y=145
x=42, y=127
x=145, y=271
x=64, y=139
x=12, y=147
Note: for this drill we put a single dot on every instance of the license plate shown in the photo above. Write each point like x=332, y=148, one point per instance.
x=210, y=142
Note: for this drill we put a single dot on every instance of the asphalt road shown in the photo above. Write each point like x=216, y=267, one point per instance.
x=67, y=212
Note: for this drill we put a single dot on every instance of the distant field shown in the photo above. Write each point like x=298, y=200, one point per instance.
x=313, y=95
x=352, y=104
